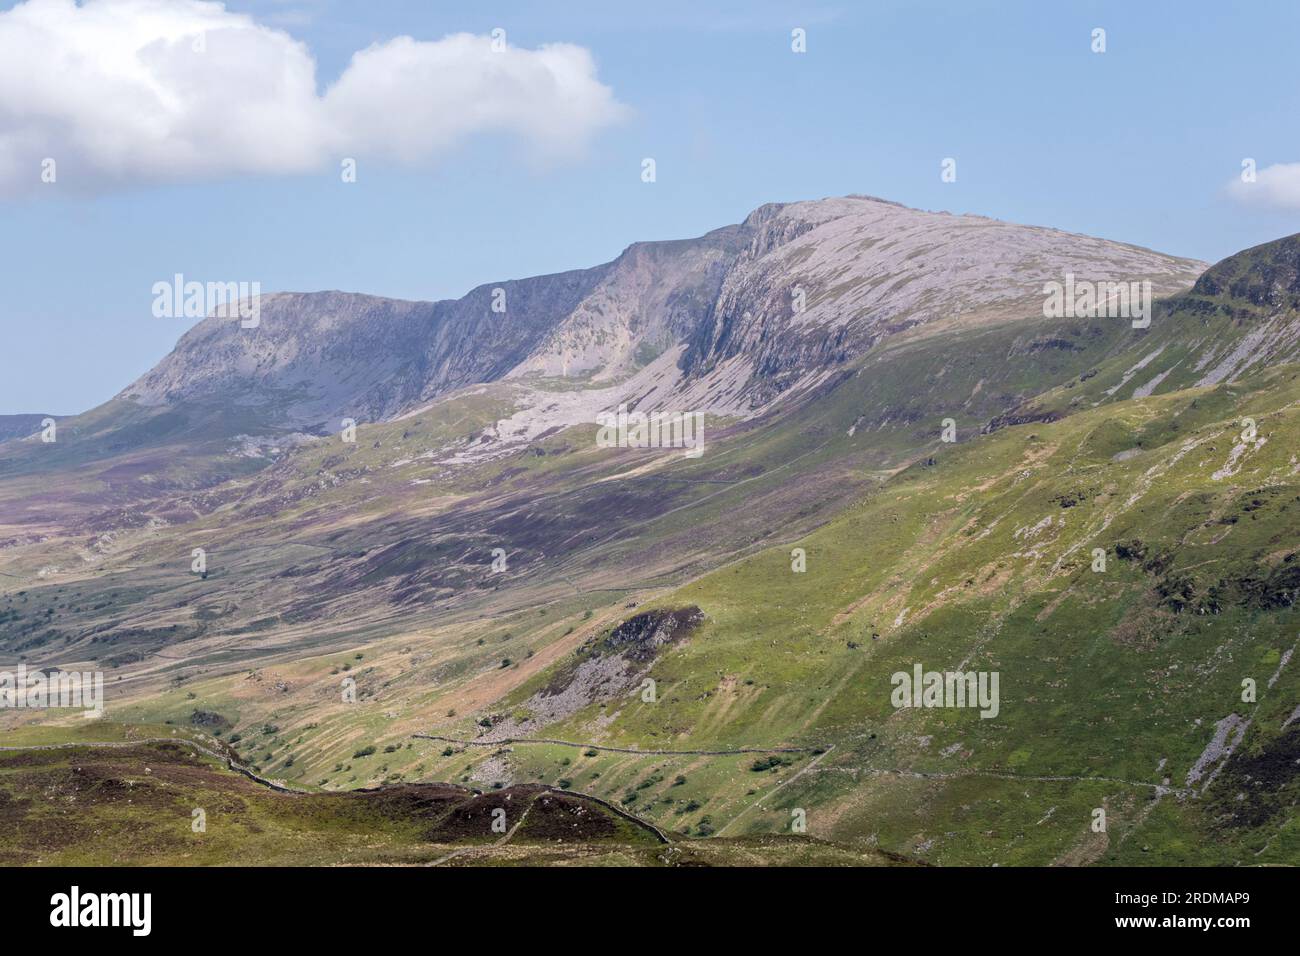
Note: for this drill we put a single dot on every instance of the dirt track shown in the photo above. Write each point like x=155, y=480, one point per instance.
x=619, y=750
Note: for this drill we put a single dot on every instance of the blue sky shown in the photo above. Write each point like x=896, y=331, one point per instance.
x=1138, y=144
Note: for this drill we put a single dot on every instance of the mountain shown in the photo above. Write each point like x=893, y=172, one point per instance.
x=923, y=465
x=705, y=323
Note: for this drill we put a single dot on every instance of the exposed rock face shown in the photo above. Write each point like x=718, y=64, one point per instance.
x=603, y=669
x=868, y=269
x=728, y=322
x=323, y=355
x=651, y=298
x=640, y=638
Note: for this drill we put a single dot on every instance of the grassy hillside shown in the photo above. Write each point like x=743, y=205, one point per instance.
x=710, y=644
x=164, y=803
x=1112, y=681
x=980, y=556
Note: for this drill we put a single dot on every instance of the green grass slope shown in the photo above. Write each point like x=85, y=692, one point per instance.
x=1112, y=681
x=1111, y=533
x=137, y=800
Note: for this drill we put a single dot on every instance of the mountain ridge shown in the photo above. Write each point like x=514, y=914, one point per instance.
x=723, y=300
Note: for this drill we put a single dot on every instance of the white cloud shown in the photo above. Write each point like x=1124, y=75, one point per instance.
x=1277, y=185
x=131, y=91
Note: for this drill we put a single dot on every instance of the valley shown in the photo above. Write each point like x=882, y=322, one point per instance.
x=475, y=601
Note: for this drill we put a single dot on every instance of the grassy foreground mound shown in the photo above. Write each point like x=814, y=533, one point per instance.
x=126, y=798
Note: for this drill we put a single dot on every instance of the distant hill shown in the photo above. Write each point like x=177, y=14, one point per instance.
x=20, y=426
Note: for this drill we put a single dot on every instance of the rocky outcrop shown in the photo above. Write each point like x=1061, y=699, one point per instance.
x=1267, y=275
